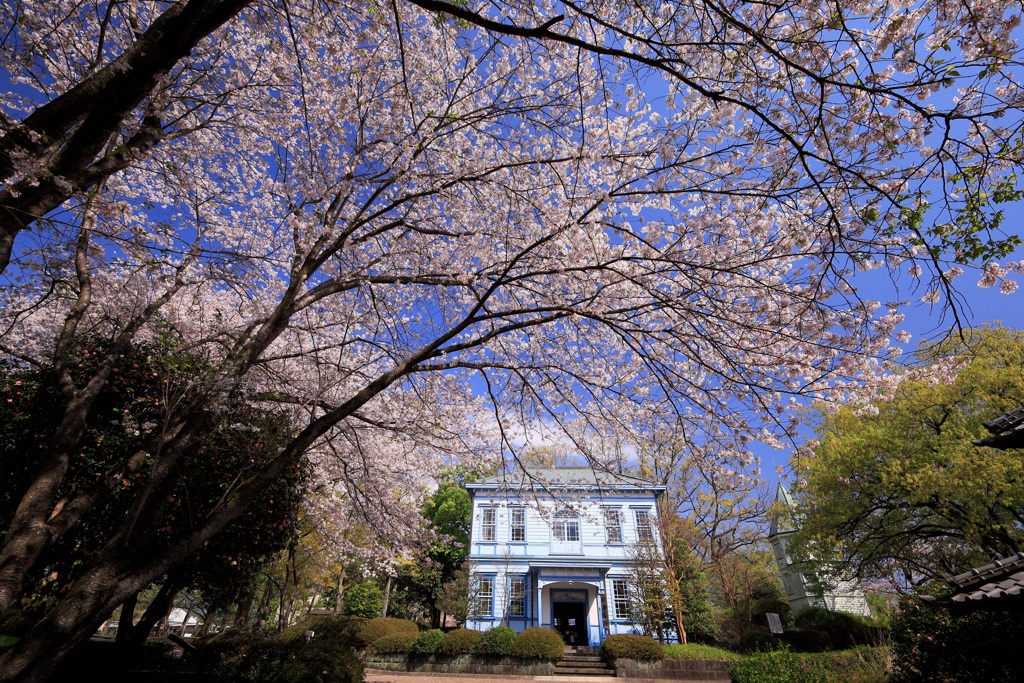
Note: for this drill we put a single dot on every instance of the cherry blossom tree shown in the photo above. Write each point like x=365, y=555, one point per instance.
x=406, y=224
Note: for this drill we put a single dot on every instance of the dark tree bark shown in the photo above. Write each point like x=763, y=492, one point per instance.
x=69, y=133
x=135, y=633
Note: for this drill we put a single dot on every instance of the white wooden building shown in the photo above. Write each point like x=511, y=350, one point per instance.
x=551, y=548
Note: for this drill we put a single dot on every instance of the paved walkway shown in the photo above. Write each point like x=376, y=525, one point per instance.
x=380, y=676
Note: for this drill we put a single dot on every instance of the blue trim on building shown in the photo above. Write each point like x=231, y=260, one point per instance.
x=587, y=567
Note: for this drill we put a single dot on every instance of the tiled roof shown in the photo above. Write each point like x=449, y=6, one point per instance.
x=560, y=477
x=1007, y=431
x=976, y=589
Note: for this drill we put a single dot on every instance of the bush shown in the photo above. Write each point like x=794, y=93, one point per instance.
x=538, y=643
x=781, y=666
x=288, y=658
x=931, y=644
x=497, y=642
x=458, y=642
x=758, y=640
x=371, y=630
x=426, y=643
x=632, y=647
x=819, y=616
x=395, y=644
x=859, y=665
x=702, y=652
x=363, y=599
x=829, y=630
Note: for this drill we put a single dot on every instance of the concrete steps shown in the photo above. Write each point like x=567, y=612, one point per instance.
x=582, y=662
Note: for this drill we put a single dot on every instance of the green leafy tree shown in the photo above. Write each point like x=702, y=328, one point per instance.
x=115, y=460
x=650, y=603
x=433, y=581
x=898, y=489
x=686, y=578
x=929, y=643
x=364, y=599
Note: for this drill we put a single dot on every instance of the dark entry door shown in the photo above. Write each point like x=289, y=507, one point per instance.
x=571, y=622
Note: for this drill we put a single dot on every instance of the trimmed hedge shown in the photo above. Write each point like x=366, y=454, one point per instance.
x=626, y=646
x=931, y=644
x=287, y=657
x=458, y=642
x=395, y=644
x=700, y=652
x=372, y=630
x=859, y=665
x=819, y=616
x=498, y=642
x=539, y=643
x=426, y=643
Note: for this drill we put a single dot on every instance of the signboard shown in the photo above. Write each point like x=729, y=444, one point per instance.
x=568, y=595
x=774, y=623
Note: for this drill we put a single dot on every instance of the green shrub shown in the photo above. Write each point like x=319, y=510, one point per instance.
x=395, y=644
x=931, y=644
x=858, y=665
x=497, y=642
x=821, y=629
x=538, y=643
x=627, y=646
x=781, y=666
x=704, y=652
x=819, y=616
x=771, y=604
x=7, y=642
x=426, y=643
x=458, y=642
x=758, y=640
x=371, y=630
x=363, y=599
x=287, y=657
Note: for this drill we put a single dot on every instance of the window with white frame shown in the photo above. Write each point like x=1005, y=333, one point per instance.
x=485, y=596
x=517, y=525
x=613, y=524
x=567, y=527
x=487, y=529
x=644, y=530
x=620, y=598
x=517, y=596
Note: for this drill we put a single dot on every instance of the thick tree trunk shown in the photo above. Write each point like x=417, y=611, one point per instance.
x=242, y=611
x=126, y=621
x=155, y=611
x=680, y=629
x=184, y=622
x=208, y=620
x=341, y=587
x=82, y=121
x=387, y=597
x=71, y=621
x=263, y=611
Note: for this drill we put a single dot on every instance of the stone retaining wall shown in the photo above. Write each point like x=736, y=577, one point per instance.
x=674, y=669
x=466, y=664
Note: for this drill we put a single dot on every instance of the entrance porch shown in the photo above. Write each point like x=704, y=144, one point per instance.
x=571, y=601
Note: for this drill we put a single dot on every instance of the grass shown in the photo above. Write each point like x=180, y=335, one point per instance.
x=700, y=652
x=7, y=641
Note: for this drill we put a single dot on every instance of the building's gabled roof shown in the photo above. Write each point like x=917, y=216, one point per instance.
x=579, y=478
x=782, y=515
x=999, y=585
x=1007, y=431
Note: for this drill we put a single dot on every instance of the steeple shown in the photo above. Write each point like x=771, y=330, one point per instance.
x=782, y=513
